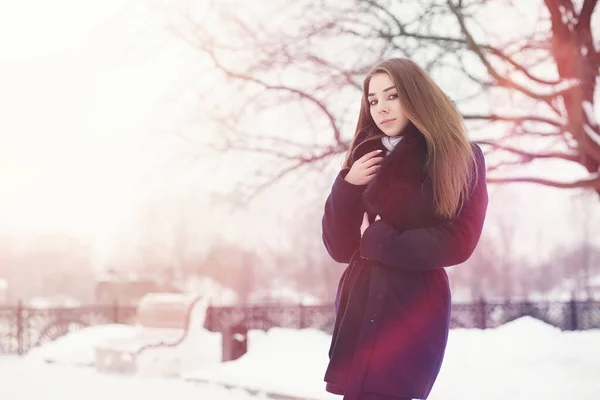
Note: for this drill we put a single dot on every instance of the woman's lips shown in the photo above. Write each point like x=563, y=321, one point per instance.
x=385, y=121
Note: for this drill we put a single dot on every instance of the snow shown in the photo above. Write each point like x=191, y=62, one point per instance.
x=180, y=352
x=78, y=348
x=282, y=361
x=199, y=349
x=24, y=379
x=53, y=302
x=584, y=51
x=590, y=129
x=525, y=359
x=521, y=360
x=565, y=84
x=592, y=134
x=589, y=112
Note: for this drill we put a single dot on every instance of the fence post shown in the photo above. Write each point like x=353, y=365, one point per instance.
x=20, y=328
x=573, y=320
x=116, y=311
x=301, y=317
x=481, y=315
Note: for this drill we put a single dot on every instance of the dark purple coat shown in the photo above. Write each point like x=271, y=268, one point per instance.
x=393, y=300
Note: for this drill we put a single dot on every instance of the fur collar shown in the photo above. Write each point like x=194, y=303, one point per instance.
x=411, y=137
x=402, y=181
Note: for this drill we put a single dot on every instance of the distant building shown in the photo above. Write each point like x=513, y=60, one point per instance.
x=128, y=291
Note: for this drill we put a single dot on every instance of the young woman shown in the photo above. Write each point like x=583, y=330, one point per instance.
x=410, y=200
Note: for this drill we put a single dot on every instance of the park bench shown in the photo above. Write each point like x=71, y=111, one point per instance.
x=163, y=323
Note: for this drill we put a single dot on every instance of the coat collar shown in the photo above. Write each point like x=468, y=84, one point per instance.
x=403, y=174
x=411, y=137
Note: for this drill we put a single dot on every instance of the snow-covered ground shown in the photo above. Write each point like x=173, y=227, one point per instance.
x=24, y=379
x=78, y=348
x=522, y=360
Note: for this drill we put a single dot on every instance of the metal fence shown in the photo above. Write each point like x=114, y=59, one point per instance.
x=22, y=328
x=570, y=315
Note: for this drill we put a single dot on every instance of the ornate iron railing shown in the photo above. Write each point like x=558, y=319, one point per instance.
x=571, y=315
x=22, y=328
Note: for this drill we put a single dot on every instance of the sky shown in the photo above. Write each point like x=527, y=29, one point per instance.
x=80, y=82
x=52, y=81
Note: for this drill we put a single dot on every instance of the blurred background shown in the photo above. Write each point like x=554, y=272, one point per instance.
x=176, y=143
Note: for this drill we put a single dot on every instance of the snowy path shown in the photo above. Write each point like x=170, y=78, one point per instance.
x=26, y=380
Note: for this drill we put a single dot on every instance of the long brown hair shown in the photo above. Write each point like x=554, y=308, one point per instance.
x=451, y=162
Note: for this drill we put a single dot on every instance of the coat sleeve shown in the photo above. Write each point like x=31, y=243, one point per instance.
x=423, y=249
x=342, y=219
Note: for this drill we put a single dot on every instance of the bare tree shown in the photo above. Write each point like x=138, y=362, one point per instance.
x=505, y=242
x=314, y=270
x=50, y=264
x=563, y=275
x=235, y=268
x=584, y=220
x=310, y=56
x=479, y=277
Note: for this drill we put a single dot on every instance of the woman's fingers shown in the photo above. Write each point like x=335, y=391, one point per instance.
x=369, y=155
x=372, y=169
x=372, y=161
x=365, y=168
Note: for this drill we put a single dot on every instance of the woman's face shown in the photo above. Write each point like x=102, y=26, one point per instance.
x=385, y=106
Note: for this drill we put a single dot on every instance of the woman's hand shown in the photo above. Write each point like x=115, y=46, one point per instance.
x=364, y=169
x=365, y=223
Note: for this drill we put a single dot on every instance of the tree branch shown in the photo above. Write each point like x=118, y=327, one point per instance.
x=583, y=183
x=516, y=119
x=491, y=70
x=382, y=31
x=502, y=164
x=237, y=75
x=300, y=162
x=585, y=15
x=529, y=155
x=498, y=53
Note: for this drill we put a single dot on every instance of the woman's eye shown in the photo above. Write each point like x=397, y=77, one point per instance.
x=390, y=97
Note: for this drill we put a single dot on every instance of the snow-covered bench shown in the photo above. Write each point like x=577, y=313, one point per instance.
x=165, y=323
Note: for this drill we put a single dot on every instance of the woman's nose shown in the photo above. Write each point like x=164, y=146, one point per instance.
x=383, y=110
